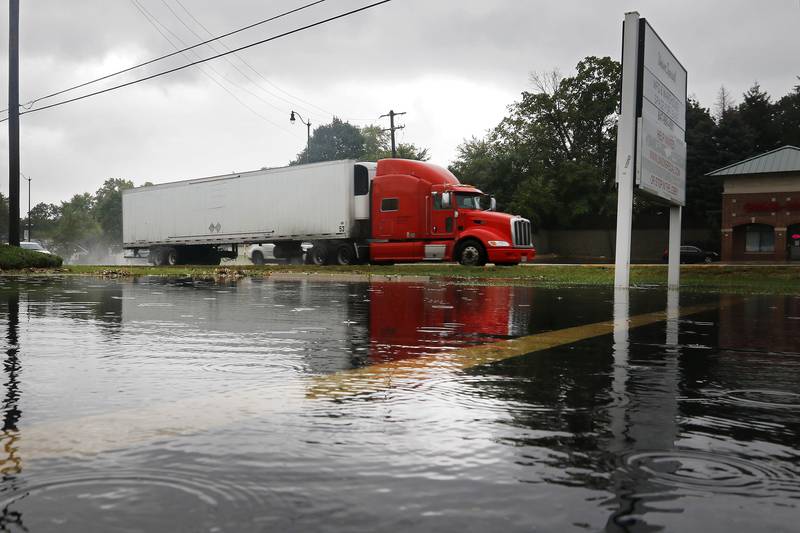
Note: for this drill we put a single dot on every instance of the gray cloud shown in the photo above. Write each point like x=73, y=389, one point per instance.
x=452, y=64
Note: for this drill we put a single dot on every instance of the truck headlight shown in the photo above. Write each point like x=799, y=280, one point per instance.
x=499, y=244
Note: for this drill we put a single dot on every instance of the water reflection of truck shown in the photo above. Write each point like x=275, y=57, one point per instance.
x=392, y=211
x=408, y=320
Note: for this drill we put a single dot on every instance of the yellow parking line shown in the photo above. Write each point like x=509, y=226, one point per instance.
x=377, y=377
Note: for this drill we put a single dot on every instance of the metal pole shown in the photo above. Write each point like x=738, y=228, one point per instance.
x=391, y=127
x=308, y=141
x=674, y=267
x=29, y=208
x=13, y=123
x=626, y=151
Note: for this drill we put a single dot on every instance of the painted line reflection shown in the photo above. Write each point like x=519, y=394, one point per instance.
x=382, y=376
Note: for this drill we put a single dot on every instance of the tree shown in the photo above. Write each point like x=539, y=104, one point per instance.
x=758, y=114
x=733, y=137
x=44, y=219
x=787, y=115
x=108, y=209
x=76, y=227
x=341, y=140
x=552, y=158
x=331, y=142
x=724, y=103
x=703, y=194
x=377, y=143
x=410, y=151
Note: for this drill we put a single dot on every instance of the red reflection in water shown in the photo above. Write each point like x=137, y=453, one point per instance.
x=764, y=324
x=408, y=320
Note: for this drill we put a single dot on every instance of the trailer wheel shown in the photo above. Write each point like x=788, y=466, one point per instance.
x=257, y=258
x=471, y=253
x=319, y=255
x=158, y=257
x=171, y=257
x=345, y=255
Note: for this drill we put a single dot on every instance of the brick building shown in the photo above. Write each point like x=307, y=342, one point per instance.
x=761, y=207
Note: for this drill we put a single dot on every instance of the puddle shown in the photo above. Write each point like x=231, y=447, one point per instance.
x=305, y=405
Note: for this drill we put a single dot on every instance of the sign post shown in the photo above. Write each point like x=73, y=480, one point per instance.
x=626, y=150
x=651, y=145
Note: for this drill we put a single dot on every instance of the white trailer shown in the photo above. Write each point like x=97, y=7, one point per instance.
x=202, y=220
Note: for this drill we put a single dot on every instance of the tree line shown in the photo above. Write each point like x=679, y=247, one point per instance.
x=85, y=224
x=552, y=158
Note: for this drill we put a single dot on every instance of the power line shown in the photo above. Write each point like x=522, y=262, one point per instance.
x=156, y=23
x=128, y=69
x=248, y=65
x=182, y=67
x=231, y=63
x=294, y=98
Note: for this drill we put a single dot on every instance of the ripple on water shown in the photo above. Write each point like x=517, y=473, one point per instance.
x=713, y=472
x=764, y=398
x=123, y=500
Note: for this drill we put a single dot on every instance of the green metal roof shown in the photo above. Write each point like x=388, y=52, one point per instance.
x=783, y=159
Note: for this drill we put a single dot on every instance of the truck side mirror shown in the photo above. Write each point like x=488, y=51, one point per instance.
x=492, y=204
x=446, y=200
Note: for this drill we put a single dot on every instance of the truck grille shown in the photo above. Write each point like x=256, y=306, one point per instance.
x=521, y=232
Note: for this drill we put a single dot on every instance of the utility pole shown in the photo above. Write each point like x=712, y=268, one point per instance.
x=392, y=128
x=13, y=123
x=29, y=206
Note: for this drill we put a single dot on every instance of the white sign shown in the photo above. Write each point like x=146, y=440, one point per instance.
x=661, y=165
x=661, y=145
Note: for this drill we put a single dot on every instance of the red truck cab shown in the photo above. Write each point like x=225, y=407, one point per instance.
x=420, y=212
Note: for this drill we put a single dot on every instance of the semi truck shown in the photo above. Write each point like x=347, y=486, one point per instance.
x=392, y=211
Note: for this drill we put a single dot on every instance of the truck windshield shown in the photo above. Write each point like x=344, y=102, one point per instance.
x=468, y=201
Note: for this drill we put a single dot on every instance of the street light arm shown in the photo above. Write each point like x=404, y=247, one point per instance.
x=292, y=119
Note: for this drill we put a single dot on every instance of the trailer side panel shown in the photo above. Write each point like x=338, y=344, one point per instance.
x=308, y=202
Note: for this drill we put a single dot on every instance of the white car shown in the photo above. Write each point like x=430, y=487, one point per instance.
x=259, y=254
x=35, y=247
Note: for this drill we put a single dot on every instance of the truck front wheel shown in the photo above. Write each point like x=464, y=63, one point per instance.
x=471, y=253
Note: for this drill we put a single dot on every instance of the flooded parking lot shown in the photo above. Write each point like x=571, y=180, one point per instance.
x=168, y=405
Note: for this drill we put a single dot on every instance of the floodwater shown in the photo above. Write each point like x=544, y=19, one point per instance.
x=155, y=405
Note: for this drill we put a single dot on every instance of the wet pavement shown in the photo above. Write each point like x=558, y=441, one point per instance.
x=168, y=405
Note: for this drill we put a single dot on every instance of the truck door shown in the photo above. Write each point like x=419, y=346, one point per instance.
x=442, y=215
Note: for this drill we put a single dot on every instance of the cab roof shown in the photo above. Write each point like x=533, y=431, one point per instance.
x=433, y=174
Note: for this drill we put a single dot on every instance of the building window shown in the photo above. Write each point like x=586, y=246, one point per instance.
x=759, y=238
x=389, y=204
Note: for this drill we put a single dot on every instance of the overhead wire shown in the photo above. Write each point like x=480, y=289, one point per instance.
x=172, y=54
x=204, y=60
x=231, y=63
x=294, y=98
x=292, y=102
x=157, y=24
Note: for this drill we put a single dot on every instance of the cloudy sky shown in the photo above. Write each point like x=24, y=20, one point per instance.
x=452, y=65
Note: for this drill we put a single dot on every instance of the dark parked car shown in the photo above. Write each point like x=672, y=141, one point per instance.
x=693, y=254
